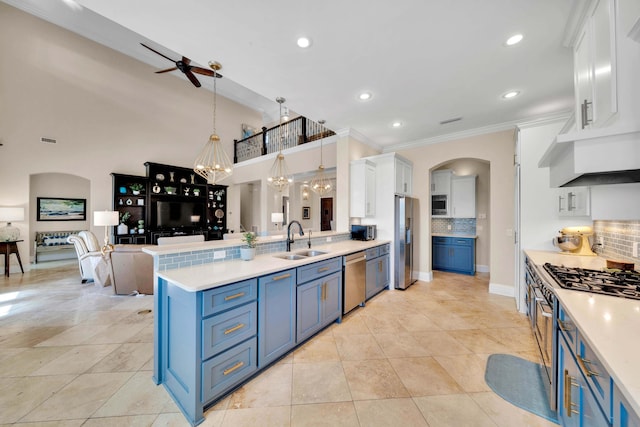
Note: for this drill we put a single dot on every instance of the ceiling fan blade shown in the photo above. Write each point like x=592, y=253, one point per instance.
x=185, y=60
x=161, y=54
x=205, y=72
x=167, y=70
x=192, y=78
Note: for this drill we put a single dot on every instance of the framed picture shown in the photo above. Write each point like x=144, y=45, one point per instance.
x=306, y=212
x=61, y=209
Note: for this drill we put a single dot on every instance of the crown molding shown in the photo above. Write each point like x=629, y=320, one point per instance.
x=352, y=133
x=579, y=9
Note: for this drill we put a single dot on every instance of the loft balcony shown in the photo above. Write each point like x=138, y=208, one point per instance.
x=292, y=133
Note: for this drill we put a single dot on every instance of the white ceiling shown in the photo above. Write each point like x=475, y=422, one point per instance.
x=424, y=61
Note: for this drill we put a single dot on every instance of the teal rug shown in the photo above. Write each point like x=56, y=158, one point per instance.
x=520, y=382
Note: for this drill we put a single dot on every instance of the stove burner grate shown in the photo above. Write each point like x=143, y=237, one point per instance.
x=623, y=284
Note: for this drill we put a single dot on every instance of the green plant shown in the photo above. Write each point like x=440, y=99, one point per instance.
x=136, y=186
x=250, y=239
x=124, y=217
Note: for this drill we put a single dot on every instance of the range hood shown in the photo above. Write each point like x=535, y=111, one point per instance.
x=593, y=157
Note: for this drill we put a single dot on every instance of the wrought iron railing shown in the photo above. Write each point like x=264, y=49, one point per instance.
x=292, y=133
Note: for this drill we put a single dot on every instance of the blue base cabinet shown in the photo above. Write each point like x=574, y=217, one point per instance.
x=623, y=415
x=454, y=254
x=377, y=270
x=276, y=315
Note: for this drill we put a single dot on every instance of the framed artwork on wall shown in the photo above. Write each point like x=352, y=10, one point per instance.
x=61, y=209
x=306, y=212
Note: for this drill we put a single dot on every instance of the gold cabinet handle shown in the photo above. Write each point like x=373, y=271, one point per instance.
x=233, y=368
x=234, y=296
x=583, y=366
x=568, y=404
x=563, y=327
x=380, y=266
x=283, y=276
x=320, y=270
x=235, y=328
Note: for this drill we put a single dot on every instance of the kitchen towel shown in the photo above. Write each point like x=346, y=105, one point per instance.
x=519, y=382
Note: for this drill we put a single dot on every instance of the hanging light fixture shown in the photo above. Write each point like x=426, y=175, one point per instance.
x=213, y=164
x=320, y=183
x=279, y=177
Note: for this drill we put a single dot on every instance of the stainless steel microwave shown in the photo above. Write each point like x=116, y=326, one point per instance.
x=439, y=205
x=363, y=232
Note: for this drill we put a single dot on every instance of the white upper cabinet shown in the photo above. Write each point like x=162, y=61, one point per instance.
x=441, y=182
x=574, y=201
x=595, y=66
x=363, y=188
x=463, y=196
x=404, y=177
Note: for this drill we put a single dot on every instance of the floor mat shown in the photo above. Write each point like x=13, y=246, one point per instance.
x=519, y=381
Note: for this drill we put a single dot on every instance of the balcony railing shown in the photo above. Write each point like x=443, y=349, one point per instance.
x=292, y=133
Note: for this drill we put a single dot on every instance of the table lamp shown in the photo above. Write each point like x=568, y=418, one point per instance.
x=277, y=218
x=8, y=215
x=106, y=219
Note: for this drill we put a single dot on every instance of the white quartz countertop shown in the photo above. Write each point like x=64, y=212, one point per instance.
x=461, y=235
x=207, y=276
x=610, y=325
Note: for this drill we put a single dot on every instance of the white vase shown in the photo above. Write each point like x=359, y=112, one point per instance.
x=247, y=254
x=123, y=229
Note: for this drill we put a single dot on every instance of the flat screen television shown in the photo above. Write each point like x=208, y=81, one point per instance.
x=173, y=214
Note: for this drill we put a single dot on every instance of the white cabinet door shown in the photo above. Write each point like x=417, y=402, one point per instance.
x=404, y=172
x=363, y=188
x=574, y=201
x=463, y=196
x=441, y=182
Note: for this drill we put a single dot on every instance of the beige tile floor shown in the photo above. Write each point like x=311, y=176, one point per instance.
x=73, y=354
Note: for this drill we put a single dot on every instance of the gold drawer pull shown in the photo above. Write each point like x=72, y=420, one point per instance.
x=284, y=276
x=234, y=296
x=380, y=266
x=235, y=328
x=320, y=270
x=563, y=327
x=233, y=368
x=583, y=366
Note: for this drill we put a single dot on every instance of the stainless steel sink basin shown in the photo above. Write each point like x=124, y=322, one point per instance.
x=310, y=253
x=291, y=257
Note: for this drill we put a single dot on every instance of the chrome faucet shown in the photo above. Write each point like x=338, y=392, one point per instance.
x=289, y=236
x=309, y=242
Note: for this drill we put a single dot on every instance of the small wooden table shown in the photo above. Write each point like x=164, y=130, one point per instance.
x=8, y=248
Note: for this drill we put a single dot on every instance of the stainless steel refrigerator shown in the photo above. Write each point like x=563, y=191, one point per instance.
x=403, y=246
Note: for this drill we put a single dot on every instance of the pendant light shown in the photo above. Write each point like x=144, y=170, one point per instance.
x=320, y=183
x=213, y=164
x=279, y=177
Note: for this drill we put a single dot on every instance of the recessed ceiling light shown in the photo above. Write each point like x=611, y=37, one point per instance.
x=514, y=39
x=511, y=94
x=396, y=124
x=365, y=96
x=304, y=42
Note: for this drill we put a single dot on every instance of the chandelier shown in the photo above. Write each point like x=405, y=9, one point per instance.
x=213, y=164
x=320, y=183
x=279, y=177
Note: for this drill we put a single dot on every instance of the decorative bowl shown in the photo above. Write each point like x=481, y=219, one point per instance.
x=170, y=190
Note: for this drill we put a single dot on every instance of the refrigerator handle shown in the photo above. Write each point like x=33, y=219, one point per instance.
x=408, y=236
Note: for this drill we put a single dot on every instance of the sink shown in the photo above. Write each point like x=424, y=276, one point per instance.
x=310, y=253
x=291, y=257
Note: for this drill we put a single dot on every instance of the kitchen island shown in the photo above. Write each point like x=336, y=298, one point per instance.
x=607, y=326
x=218, y=324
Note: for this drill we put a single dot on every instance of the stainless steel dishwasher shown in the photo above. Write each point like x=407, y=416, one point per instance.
x=355, y=276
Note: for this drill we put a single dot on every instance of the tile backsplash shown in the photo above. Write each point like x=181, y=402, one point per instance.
x=458, y=225
x=618, y=237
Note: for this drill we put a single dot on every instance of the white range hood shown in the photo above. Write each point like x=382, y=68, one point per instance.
x=594, y=157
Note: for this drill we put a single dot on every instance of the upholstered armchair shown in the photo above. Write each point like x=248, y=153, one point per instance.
x=93, y=266
x=132, y=270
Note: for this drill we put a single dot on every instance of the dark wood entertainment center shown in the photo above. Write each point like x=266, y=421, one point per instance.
x=170, y=201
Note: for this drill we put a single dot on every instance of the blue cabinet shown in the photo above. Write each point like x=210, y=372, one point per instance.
x=319, y=303
x=623, y=415
x=276, y=315
x=454, y=254
x=377, y=270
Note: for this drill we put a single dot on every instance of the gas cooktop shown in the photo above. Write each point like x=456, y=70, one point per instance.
x=625, y=284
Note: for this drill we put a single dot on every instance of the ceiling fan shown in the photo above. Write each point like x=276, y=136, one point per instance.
x=188, y=70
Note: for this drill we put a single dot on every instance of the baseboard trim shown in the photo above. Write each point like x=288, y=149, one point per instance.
x=504, y=290
x=423, y=276
x=482, y=268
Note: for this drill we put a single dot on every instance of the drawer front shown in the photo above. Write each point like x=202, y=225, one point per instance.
x=384, y=249
x=313, y=271
x=227, y=297
x=228, y=329
x=372, y=253
x=228, y=369
x=598, y=378
x=461, y=241
x=567, y=328
x=439, y=240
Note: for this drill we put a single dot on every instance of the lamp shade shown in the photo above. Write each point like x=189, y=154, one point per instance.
x=105, y=218
x=277, y=217
x=10, y=214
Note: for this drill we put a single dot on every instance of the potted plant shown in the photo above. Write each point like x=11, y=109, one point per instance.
x=136, y=188
x=124, y=217
x=249, y=252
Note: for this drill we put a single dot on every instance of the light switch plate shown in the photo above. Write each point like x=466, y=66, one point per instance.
x=219, y=254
